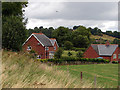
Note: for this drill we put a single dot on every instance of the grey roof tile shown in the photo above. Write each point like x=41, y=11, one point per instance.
x=104, y=50
x=44, y=40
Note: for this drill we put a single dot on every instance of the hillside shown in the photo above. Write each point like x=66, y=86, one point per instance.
x=21, y=71
x=105, y=37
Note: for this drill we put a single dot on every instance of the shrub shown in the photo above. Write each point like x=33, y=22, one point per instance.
x=69, y=54
x=79, y=54
x=115, y=62
x=58, y=53
x=68, y=45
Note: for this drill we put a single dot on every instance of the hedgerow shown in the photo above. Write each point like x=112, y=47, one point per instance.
x=73, y=59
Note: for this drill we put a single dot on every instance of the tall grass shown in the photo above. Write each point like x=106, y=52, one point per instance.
x=20, y=71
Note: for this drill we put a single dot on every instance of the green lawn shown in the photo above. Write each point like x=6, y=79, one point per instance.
x=65, y=53
x=106, y=74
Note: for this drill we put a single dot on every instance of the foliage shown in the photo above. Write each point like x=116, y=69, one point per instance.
x=115, y=62
x=58, y=53
x=13, y=25
x=113, y=34
x=14, y=33
x=81, y=37
x=68, y=45
x=62, y=34
x=79, y=54
x=69, y=53
x=95, y=31
x=116, y=41
x=73, y=59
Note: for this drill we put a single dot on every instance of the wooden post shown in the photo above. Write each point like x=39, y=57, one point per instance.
x=95, y=81
x=81, y=76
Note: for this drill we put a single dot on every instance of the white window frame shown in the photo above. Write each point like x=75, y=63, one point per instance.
x=118, y=56
x=54, y=47
x=46, y=48
x=28, y=48
x=51, y=55
x=38, y=56
x=114, y=56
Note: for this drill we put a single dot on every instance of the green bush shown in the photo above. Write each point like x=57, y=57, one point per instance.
x=115, y=62
x=72, y=59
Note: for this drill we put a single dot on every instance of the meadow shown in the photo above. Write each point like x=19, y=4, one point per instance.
x=103, y=74
x=19, y=70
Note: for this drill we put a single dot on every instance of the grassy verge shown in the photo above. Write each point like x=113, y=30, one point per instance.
x=20, y=71
x=106, y=74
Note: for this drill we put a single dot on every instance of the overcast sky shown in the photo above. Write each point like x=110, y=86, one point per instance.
x=103, y=15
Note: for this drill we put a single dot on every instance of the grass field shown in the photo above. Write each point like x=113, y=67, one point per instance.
x=21, y=71
x=65, y=53
x=106, y=74
x=105, y=37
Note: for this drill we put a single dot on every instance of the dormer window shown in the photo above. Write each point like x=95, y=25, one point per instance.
x=54, y=48
x=29, y=48
x=46, y=48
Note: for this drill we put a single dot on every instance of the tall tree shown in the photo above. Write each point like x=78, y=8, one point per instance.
x=13, y=25
x=62, y=34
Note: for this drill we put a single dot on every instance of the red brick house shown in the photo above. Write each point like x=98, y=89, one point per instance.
x=106, y=51
x=41, y=44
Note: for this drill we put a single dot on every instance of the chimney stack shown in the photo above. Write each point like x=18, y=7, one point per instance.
x=107, y=43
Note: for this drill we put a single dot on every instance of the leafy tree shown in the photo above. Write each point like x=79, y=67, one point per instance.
x=13, y=25
x=68, y=45
x=116, y=41
x=81, y=41
x=79, y=54
x=62, y=34
x=58, y=53
x=69, y=54
x=14, y=33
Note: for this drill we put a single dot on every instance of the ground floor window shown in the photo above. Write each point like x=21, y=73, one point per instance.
x=38, y=56
x=118, y=56
x=114, y=56
x=51, y=54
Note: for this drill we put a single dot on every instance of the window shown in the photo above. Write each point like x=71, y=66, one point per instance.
x=54, y=48
x=38, y=56
x=118, y=56
x=46, y=48
x=51, y=54
x=114, y=56
x=29, y=48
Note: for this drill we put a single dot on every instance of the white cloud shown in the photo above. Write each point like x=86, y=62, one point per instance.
x=101, y=15
x=103, y=25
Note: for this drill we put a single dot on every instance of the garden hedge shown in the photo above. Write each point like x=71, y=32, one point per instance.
x=72, y=59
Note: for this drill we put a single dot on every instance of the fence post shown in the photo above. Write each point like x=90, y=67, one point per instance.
x=81, y=76
x=95, y=81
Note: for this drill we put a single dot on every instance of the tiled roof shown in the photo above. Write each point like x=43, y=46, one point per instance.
x=43, y=39
x=52, y=41
x=104, y=50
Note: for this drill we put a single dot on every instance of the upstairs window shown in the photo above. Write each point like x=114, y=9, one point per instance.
x=46, y=48
x=54, y=48
x=118, y=56
x=114, y=56
x=29, y=48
